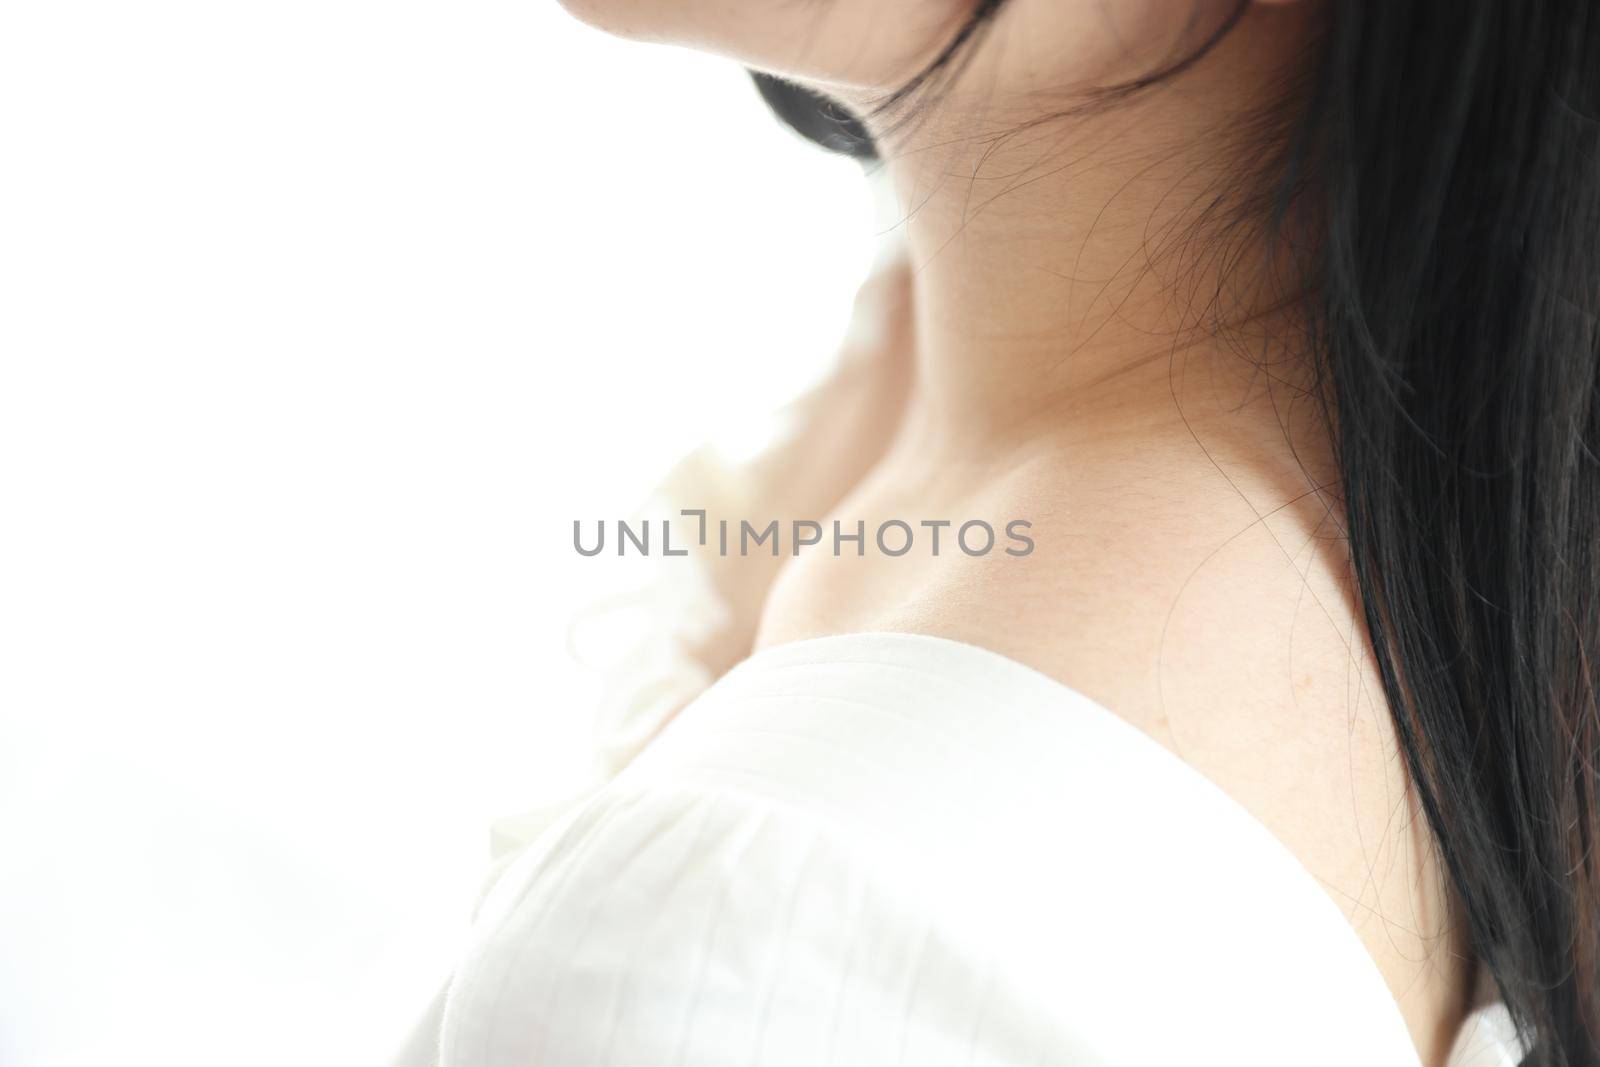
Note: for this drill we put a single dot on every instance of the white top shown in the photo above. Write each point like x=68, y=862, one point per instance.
x=880, y=849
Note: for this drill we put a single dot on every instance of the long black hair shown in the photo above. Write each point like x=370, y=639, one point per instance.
x=1453, y=152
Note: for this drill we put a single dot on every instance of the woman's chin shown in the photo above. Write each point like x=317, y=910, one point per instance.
x=871, y=44
x=627, y=18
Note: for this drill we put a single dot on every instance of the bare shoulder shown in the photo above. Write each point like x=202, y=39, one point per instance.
x=1229, y=638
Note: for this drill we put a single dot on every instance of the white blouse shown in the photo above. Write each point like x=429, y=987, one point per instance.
x=881, y=849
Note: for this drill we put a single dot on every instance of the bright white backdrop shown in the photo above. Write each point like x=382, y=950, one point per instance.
x=320, y=321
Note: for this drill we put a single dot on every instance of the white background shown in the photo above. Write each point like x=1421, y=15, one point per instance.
x=320, y=321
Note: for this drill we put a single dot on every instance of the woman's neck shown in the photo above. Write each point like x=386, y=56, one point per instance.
x=1105, y=345
x=1076, y=270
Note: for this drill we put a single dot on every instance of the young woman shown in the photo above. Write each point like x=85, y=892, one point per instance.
x=1275, y=327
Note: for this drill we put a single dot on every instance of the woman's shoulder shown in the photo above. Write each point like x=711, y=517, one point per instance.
x=889, y=848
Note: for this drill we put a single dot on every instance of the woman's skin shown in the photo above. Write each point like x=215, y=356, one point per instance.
x=1082, y=345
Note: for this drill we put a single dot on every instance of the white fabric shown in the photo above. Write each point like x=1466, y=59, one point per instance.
x=895, y=849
